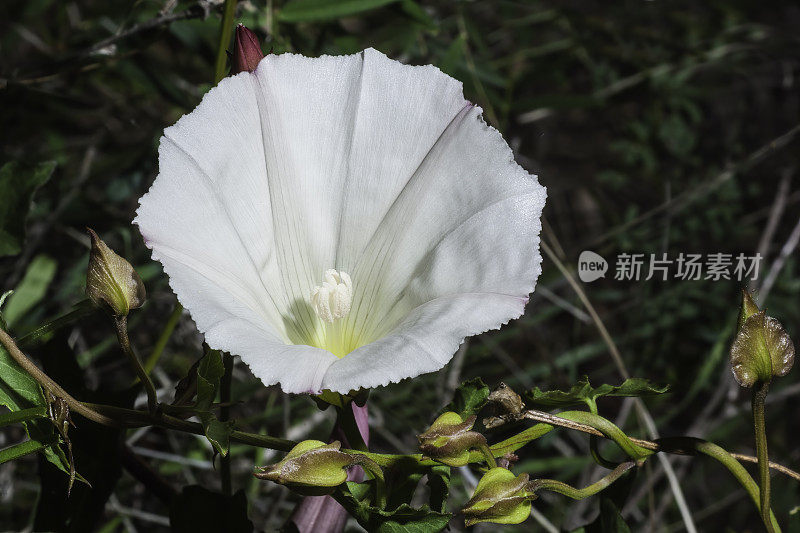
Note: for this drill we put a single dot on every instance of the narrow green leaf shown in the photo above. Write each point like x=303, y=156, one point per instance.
x=218, y=433
x=186, y=389
x=15, y=417
x=31, y=289
x=453, y=58
x=19, y=391
x=468, y=398
x=79, y=310
x=357, y=491
x=631, y=387
x=413, y=10
x=404, y=518
x=209, y=372
x=18, y=183
x=23, y=448
x=3, y=298
x=312, y=10
x=583, y=392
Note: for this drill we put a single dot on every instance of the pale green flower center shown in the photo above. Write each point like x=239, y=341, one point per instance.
x=331, y=302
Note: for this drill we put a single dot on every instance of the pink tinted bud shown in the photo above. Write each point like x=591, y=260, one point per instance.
x=246, y=51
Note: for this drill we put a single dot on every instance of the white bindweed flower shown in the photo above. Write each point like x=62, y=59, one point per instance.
x=342, y=222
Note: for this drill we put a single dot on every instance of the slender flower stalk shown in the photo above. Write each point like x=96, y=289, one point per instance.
x=224, y=415
x=759, y=427
x=739, y=472
x=121, y=326
x=560, y=487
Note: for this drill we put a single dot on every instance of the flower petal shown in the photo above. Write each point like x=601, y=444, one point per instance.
x=477, y=278
x=449, y=247
x=402, y=111
x=306, y=109
x=466, y=221
x=207, y=220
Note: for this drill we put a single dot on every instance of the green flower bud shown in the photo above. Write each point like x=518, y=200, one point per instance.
x=449, y=439
x=499, y=498
x=312, y=467
x=761, y=349
x=111, y=281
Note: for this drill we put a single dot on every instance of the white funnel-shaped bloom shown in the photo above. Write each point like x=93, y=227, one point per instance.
x=342, y=222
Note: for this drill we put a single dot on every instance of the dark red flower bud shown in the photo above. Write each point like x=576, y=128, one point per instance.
x=246, y=51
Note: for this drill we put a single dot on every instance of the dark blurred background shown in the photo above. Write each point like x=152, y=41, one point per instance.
x=657, y=127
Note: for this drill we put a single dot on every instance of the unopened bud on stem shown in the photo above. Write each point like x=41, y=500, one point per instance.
x=450, y=439
x=111, y=281
x=315, y=468
x=761, y=349
x=246, y=51
x=499, y=498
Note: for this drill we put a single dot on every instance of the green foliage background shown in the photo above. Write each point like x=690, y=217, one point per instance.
x=658, y=127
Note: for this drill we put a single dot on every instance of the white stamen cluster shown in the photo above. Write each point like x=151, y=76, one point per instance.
x=333, y=298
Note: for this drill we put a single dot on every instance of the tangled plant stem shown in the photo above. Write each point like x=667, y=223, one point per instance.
x=582, y=421
x=578, y=494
